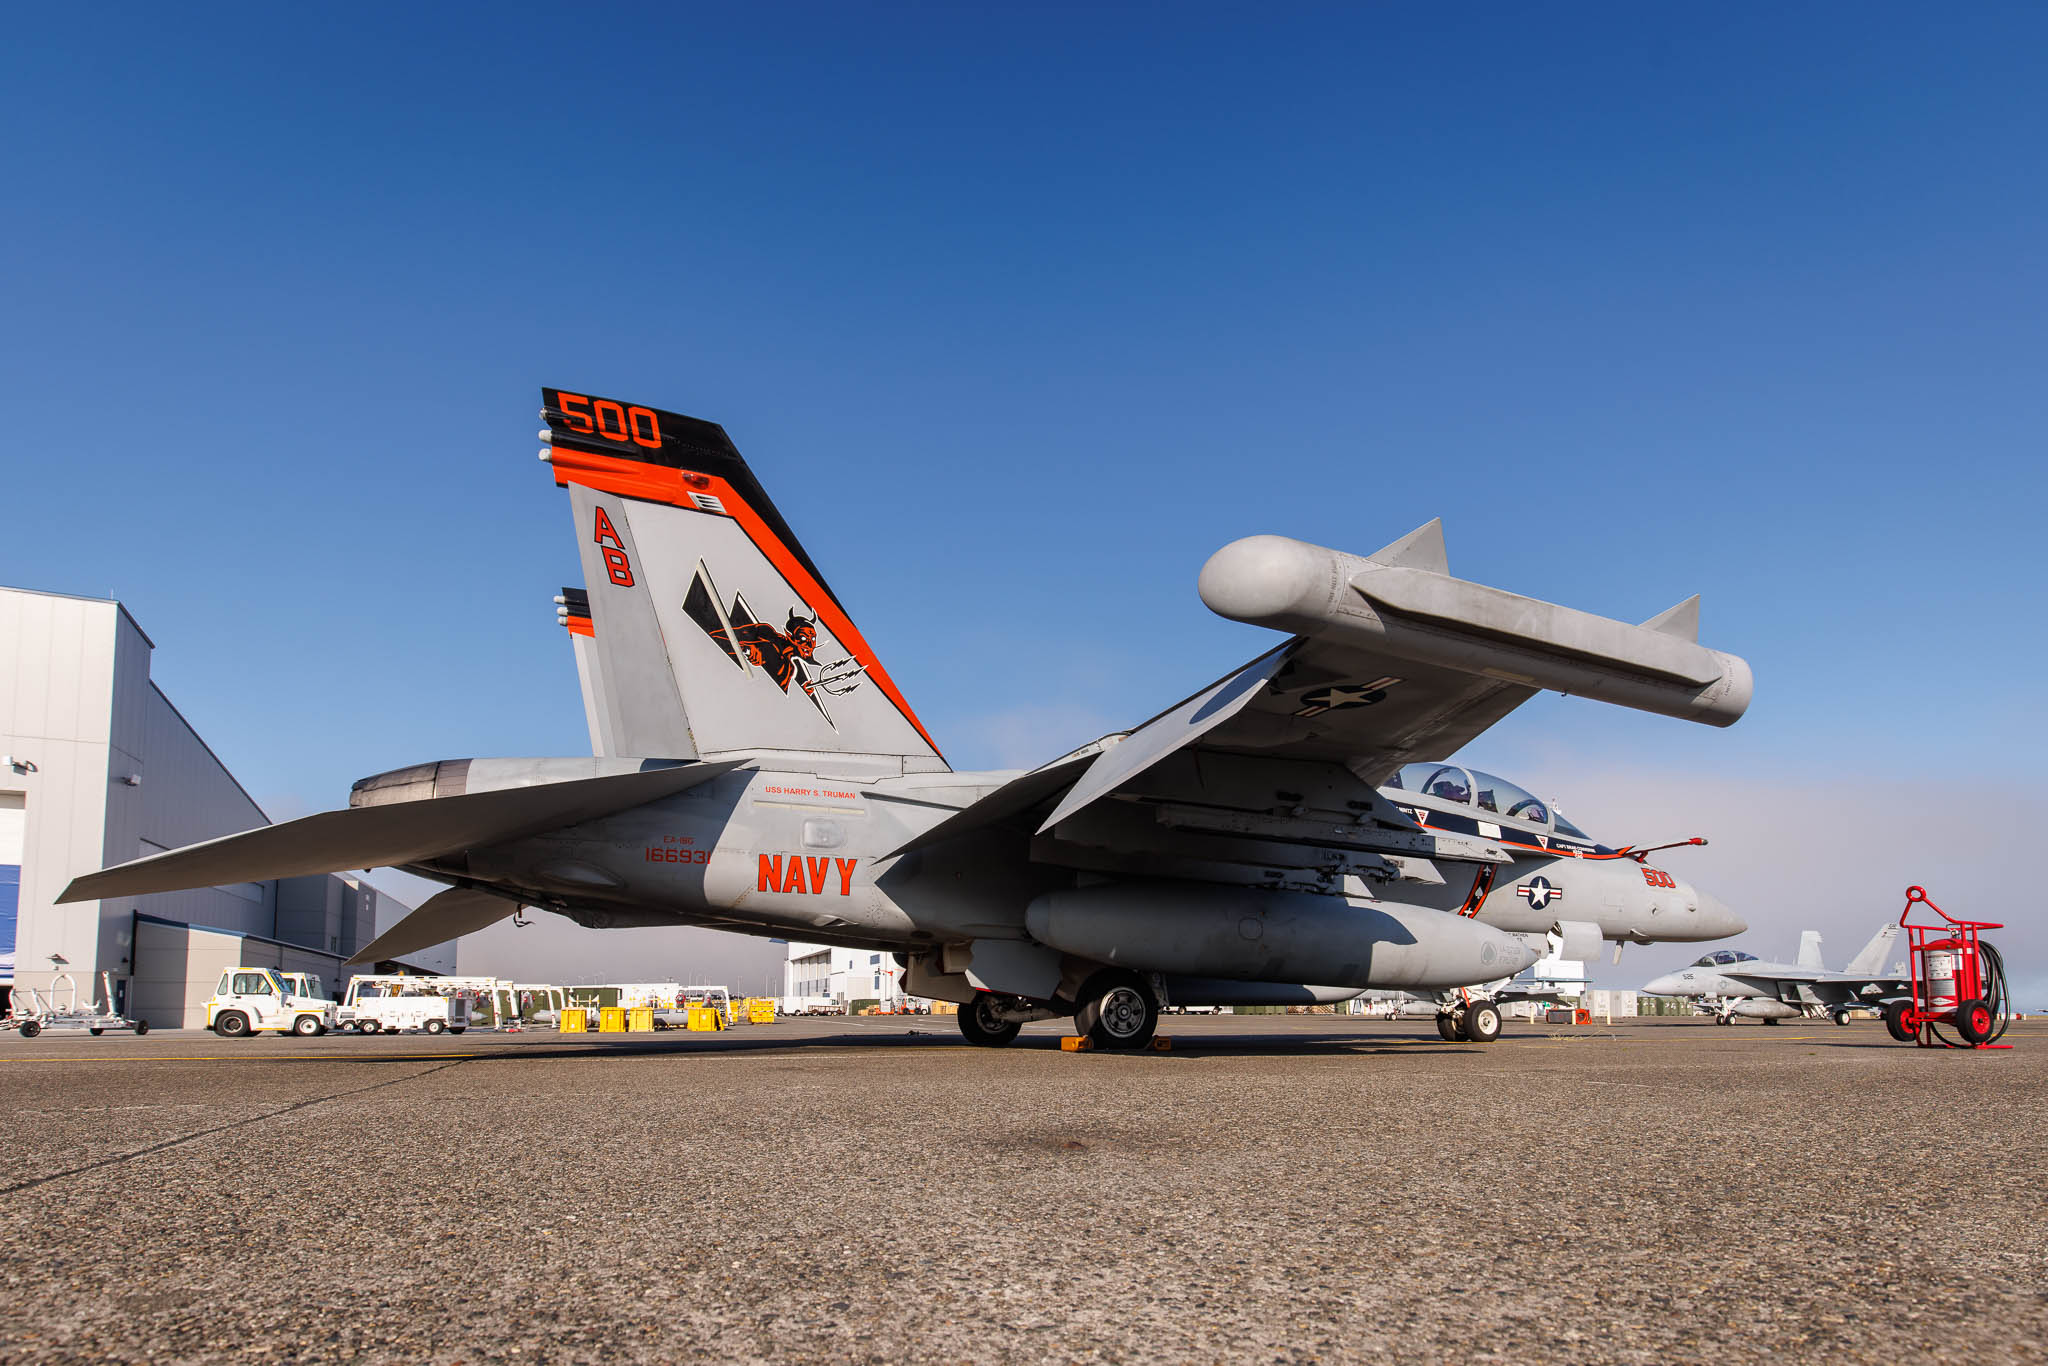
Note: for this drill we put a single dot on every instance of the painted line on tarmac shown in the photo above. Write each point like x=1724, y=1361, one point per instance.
x=32, y=1182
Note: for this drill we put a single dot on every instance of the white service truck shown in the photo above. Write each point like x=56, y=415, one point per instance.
x=390, y=1005
x=256, y=1000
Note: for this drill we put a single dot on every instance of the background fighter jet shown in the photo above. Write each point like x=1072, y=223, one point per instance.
x=1728, y=983
x=1234, y=849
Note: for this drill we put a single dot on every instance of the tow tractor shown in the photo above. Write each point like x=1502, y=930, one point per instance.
x=259, y=1000
x=1957, y=980
x=56, y=1006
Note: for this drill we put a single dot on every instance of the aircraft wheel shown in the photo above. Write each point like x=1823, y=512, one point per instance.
x=1895, y=1022
x=1481, y=1023
x=1973, y=1021
x=1723, y=1019
x=306, y=1026
x=1117, y=1011
x=231, y=1024
x=1447, y=1025
x=980, y=1025
x=1770, y=1022
x=1841, y=1017
x=95, y=1032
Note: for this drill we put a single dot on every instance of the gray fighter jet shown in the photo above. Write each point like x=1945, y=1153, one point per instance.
x=758, y=770
x=1731, y=985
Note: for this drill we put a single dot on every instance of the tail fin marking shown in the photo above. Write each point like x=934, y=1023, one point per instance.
x=689, y=505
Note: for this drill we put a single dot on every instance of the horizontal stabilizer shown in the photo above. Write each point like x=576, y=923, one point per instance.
x=1682, y=621
x=442, y=917
x=392, y=835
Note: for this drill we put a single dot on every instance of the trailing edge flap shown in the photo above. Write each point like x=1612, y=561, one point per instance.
x=392, y=835
x=1171, y=731
x=1013, y=798
x=442, y=917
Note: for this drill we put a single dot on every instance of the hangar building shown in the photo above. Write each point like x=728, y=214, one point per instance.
x=97, y=767
x=818, y=972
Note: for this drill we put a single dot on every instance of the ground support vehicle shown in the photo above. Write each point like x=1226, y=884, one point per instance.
x=392, y=1005
x=56, y=1006
x=264, y=1000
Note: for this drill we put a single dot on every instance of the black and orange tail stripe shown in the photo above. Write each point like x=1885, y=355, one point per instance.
x=674, y=487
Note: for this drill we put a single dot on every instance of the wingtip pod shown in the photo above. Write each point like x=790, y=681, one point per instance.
x=1399, y=602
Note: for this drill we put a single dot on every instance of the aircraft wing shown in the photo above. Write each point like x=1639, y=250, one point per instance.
x=392, y=835
x=1316, y=701
x=1835, y=986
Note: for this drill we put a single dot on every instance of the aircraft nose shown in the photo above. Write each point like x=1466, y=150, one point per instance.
x=1715, y=920
x=1667, y=985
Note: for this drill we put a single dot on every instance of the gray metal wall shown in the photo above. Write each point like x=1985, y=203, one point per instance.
x=112, y=771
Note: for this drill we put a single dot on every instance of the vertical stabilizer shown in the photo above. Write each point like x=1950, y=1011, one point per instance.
x=1871, y=959
x=1809, y=949
x=714, y=630
x=572, y=610
x=635, y=687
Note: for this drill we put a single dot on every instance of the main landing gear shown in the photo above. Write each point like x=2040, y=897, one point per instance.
x=1478, y=1022
x=1117, y=1010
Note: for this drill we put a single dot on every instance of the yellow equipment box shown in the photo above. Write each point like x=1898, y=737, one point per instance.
x=611, y=1019
x=575, y=1020
x=706, y=1017
x=760, y=1012
x=640, y=1020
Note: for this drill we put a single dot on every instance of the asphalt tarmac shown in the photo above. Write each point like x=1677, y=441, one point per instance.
x=1274, y=1189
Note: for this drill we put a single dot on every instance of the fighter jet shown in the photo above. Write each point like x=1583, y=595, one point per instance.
x=1729, y=984
x=757, y=769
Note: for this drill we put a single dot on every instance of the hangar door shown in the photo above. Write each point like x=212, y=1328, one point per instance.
x=12, y=826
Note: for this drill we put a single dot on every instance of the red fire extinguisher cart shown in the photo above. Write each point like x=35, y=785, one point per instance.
x=1957, y=980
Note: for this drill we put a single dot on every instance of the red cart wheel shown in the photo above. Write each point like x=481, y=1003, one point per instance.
x=1973, y=1021
x=1895, y=1021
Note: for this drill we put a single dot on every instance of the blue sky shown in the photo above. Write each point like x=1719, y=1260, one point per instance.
x=1020, y=314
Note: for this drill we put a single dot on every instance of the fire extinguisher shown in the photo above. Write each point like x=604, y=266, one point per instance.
x=1956, y=980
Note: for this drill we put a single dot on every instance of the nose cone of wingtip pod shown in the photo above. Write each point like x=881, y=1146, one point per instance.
x=1716, y=921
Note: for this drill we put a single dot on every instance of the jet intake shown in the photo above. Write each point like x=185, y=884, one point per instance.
x=1418, y=612
x=1580, y=940
x=1254, y=935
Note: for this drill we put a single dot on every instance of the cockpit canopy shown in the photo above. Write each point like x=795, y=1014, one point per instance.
x=1484, y=792
x=1723, y=957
